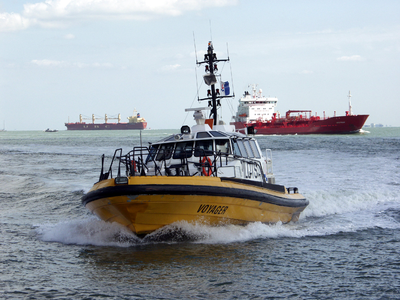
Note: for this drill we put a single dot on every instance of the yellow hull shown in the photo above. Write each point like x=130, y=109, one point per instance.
x=148, y=203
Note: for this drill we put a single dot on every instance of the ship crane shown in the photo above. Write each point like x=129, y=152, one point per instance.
x=94, y=118
x=81, y=118
x=106, y=118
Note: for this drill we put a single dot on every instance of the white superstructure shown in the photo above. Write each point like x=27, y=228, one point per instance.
x=255, y=107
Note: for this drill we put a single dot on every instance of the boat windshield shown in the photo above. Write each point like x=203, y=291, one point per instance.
x=248, y=148
x=165, y=152
x=223, y=146
x=183, y=150
x=236, y=150
x=245, y=148
x=255, y=149
x=242, y=148
x=203, y=148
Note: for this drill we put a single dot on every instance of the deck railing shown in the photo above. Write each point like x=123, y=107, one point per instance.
x=141, y=161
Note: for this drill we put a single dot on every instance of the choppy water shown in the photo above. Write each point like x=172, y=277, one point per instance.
x=345, y=246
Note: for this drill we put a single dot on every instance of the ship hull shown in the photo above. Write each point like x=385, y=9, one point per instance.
x=106, y=126
x=148, y=203
x=334, y=125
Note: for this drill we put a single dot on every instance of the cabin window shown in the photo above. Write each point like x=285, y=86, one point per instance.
x=183, y=150
x=255, y=149
x=223, y=146
x=203, y=148
x=236, y=150
x=203, y=135
x=248, y=148
x=165, y=151
x=242, y=148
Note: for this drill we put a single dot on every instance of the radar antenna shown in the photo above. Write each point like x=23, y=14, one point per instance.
x=211, y=69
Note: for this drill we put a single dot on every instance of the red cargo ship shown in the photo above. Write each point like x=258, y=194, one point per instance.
x=256, y=116
x=134, y=122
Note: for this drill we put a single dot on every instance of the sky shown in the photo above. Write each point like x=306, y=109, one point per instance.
x=62, y=58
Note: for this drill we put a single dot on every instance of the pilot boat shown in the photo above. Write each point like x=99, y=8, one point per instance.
x=207, y=174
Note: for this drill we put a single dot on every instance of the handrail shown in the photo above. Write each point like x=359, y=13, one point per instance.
x=134, y=162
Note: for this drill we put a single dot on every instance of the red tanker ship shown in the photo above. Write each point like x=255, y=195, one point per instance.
x=256, y=115
x=134, y=122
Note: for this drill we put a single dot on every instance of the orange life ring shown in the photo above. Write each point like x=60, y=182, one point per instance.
x=205, y=172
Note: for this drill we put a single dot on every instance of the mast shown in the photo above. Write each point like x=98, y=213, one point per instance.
x=211, y=69
x=350, y=112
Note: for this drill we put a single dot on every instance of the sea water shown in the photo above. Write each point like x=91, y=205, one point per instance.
x=346, y=244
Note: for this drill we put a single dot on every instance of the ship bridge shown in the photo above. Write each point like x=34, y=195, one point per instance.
x=255, y=107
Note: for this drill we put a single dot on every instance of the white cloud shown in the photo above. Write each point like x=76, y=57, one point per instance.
x=350, y=58
x=64, y=64
x=49, y=63
x=56, y=13
x=13, y=22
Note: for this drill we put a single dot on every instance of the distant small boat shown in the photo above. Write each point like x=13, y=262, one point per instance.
x=50, y=130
